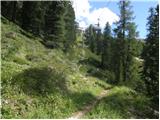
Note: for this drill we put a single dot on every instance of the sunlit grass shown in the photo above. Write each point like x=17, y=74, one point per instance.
x=42, y=83
x=47, y=83
x=121, y=103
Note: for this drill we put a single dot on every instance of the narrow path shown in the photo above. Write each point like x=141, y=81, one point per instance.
x=88, y=108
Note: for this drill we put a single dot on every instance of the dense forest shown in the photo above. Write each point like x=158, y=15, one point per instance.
x=52, y=69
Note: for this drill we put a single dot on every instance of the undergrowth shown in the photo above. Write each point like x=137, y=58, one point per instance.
x=122, y=103
x=42, y=83
x=38, y=82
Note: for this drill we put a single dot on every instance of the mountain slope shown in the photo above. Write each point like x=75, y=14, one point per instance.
x=38, y=82
x=41, y=83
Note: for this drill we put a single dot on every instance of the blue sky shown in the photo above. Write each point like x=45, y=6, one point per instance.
x=140, y=9
x=87, y=12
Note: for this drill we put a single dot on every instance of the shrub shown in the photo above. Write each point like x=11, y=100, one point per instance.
x=41, y=80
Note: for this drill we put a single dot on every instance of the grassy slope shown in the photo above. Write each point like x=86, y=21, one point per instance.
x=46, y=83
x=122, y=103
x=42, y=83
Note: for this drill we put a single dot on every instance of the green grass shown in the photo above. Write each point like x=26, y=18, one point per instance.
x=42, y=83
x=47, y=83
x=121, y=103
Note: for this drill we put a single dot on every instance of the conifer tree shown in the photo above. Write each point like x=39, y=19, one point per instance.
x=151, y=57
x=52, y=20
x=106, y=47
x=9, y=9
x=130, y=66
x=98, y=41
x=60, y=24
x=90, y=35
x=125, y=28
x=70, y=26
x=32, y=16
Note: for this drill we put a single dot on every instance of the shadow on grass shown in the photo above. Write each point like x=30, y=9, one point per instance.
x=91, y=61
x=45, y=81
x=29, y=35
x=95, y=69
x=82, y=99
x=122, y=106
x=41, y=81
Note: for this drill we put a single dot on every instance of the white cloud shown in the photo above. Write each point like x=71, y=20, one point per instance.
x=85, y=17
x=83, y=24
x=104, y=14
x=81, y=8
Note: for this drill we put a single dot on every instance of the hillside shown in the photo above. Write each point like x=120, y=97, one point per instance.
x=38, y=82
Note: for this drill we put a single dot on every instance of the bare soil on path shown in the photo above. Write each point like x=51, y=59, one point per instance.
x=88, y=108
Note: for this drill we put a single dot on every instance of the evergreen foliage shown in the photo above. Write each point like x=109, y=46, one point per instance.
x=60, y=24
x=54, y=21
x=32, y=17
x=90, y=38
x=151, y=57
x=12, y=10
x=98, y=42
x=106, y=47
x=73, y=75
x=125, y=33
x=70, y=26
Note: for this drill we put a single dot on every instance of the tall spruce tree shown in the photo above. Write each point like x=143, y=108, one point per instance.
x=70, y=26
x=54, y=28
x=60, y=24
x=131, y=72
x=98, y=41
x=9, y=9
x=124, y=55
x=106, y=47
x=151, y=57
x=32, y=16
x=90, y=35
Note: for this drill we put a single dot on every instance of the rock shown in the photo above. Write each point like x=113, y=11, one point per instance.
x=11, y=35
